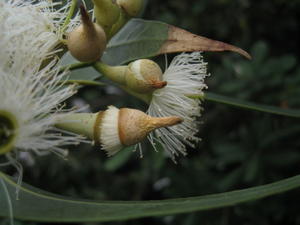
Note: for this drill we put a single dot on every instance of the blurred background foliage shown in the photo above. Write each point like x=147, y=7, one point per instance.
x=240, y=148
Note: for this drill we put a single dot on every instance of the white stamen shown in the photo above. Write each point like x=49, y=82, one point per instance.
x=30, y=89
x=185, y=77
x=109, y=131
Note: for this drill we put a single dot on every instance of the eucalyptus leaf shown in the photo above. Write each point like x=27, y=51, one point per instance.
x=137, y=39
x=249, y=105
x=38, y=205
x=144, y=38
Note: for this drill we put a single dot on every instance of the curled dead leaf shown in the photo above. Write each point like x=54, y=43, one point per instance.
x=180, y=40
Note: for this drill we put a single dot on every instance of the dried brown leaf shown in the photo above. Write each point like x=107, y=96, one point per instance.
x=180, y=40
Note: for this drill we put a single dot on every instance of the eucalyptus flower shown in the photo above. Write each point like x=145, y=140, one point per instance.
x=115, y=129
x=176, y=92
x=28, y=106
x=180, y=97
x=31, y=87
x=32, y=26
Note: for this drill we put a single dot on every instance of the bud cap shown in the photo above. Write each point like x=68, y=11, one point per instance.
x=125, y=127
x=144, y=76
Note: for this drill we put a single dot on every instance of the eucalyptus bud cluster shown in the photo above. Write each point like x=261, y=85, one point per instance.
x=107, y=13
x=112, y=15
x=88, y=41
x=114, y=128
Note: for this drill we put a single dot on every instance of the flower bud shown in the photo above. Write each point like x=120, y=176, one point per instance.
x=107, y=13
x=131, y=7
x=115, y=128
x=144, y=76
x=87, y=42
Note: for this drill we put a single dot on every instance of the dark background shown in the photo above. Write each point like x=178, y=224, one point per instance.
x=240, y=148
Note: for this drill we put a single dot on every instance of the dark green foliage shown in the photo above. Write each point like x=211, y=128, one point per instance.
x=240, y=148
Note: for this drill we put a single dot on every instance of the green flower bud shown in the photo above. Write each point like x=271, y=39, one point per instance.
x=131, y=7
x=140, y=77
x=107, y=13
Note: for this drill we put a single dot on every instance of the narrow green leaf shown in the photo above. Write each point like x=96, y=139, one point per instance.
x=249, y=105
x=37, y=205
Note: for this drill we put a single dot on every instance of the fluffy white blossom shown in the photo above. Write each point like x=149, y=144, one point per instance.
x=185, y=80
x=33, y=27
x=34, y=100
x=31, y=86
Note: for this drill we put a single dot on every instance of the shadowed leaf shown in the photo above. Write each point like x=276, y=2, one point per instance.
x=250, y=105
x=38, y=205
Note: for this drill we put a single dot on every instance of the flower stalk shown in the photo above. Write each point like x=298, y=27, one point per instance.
x=71, y=12
x=114, y=73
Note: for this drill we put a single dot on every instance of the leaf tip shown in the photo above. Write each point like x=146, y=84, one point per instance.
x=241, y=52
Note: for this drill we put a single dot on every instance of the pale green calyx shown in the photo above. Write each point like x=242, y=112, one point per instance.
x=8, y=131
x=78, y=123
x=131, y=7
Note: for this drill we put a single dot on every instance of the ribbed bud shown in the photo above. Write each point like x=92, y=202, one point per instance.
x=87, y=42
x=131, y=7
x=144, y=76
x=115, y=128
